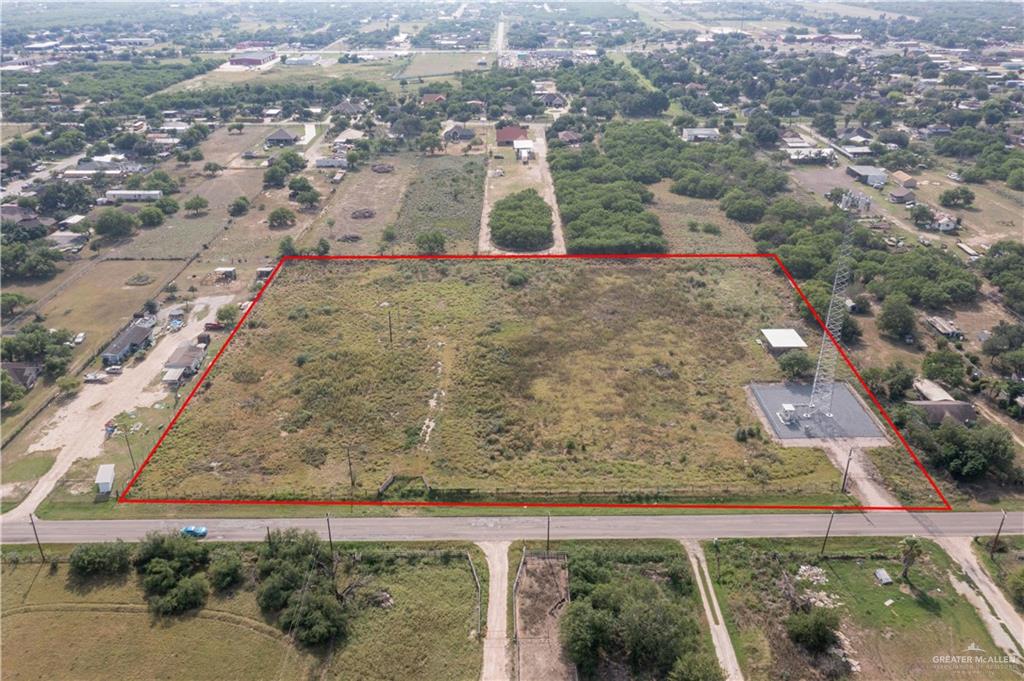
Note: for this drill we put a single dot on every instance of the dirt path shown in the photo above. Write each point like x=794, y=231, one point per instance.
x=1003, y=622
x=76, y=429
x=495, y=666
x=719, y=632
x=538, y=174
x=864, y=482
x=541, y=600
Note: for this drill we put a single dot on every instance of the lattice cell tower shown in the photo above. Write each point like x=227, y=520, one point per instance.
x=823, y=389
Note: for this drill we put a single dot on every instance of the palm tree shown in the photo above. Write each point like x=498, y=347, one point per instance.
x=910, y=551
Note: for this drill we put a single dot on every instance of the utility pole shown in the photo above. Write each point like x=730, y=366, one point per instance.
x=991, y=549
x=351, y=473
x=38, y=544
x=130, y=455
x=846, y=473
x=831, y=517
x=547, y=545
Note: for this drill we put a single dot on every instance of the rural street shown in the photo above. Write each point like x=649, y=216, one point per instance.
x=16, y=530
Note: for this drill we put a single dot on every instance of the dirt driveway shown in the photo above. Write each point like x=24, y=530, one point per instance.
x=541, y=600
x=495, y=667
x=76, y=429
x=535, y=175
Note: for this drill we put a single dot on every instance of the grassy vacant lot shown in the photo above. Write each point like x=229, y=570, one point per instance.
x=446, y=195
x=592, y=376
x=898, y=641
x=184, y=234
x=697, y=225
x=425, y=633
x=444, y=63
x=380, y=192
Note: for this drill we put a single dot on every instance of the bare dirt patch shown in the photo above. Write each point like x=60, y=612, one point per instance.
x=541, y=600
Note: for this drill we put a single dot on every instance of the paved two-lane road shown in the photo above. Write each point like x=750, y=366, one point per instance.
x=888, y=523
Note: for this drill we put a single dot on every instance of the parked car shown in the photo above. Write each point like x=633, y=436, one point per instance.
x=197, y=531
x=79, y=339
x=213, y=326
x=955, y=177
x=115, y=369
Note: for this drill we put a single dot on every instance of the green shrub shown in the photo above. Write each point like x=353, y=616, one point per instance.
x=188, y=594
x=100, y=559
x=225, y=568
x=522, y=222
x=815, y=631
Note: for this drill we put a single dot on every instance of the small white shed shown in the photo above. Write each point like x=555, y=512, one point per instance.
x=777, y=341
x=105, y=478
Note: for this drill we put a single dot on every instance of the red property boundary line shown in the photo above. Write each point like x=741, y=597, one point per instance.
x=509, y=504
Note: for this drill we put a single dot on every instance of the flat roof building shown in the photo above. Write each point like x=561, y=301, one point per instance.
x=780, y=340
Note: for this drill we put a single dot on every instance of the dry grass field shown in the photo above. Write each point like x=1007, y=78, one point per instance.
x=444, y=63
x=424, y=632
x=587, y=378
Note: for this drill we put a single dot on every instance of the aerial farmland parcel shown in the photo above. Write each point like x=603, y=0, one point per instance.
x=580, y=380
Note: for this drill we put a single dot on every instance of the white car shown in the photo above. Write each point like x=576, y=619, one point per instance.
x=79, y=339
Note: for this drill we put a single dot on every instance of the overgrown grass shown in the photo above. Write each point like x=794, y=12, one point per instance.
x=447, y=195
x=552, y=379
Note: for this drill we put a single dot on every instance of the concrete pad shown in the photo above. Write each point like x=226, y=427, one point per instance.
x=850, y=418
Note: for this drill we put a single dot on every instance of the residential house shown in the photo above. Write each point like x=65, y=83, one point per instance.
x=552, y=99
x=340, y=161
x=701, y=134
x=130, y=340
x=506, y=136
x=118, y=195
x=281, y=138
x=187, y=357
x=459, y=133
x=24, y=374
x=902, y=195
x=938, y=411
x=433, y=98
x=24, y=217
x=944, y=223
x=347, y=107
